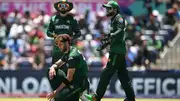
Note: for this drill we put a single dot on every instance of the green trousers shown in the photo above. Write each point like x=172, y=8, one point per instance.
x=116, y=64
x=56, y=55
x=69, y=93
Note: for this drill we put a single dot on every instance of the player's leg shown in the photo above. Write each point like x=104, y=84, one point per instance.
x=105, y=78
x=124, y=77
x=82, y=97
x=85, y=90
x=74, y=97
x=56, y=55
x=104, y=81
x=57, y=80
x=69, y=93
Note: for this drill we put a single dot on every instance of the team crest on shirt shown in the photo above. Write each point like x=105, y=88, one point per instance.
x=121, y=20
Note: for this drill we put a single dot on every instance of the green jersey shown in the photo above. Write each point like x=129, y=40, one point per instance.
x=63, y=25
x=76, y=60
x=117, y=44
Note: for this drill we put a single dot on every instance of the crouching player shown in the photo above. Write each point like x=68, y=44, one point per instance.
x=68, y=87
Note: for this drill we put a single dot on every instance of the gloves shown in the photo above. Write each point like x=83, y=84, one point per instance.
x=112, y=35
x=115, y=33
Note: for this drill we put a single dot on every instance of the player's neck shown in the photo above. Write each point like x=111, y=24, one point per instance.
x=63, y=15
x=67, y=48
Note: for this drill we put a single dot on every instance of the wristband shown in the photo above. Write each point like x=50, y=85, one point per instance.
x=54, y=66
x=57, y=63
x=66, y=82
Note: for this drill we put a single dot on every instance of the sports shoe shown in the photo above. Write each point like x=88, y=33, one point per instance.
x=90, y=97
x=128, y=100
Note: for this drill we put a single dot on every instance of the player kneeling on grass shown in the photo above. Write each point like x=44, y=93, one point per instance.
x=70, y=87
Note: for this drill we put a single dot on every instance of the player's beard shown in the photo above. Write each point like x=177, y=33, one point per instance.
x=108, y=14
x=63, y=12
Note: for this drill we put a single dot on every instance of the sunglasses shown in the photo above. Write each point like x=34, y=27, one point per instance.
x=63, y=6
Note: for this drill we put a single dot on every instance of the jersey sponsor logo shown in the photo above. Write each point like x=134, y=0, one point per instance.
x=62, y=27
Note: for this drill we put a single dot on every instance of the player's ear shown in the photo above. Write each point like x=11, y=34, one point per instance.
x=115, y=9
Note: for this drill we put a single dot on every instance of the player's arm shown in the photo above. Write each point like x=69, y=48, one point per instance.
x=67, y=80
x=76, y=29
x=58, y=64
x=50, y=29
x=120, y=25
x=72, y=64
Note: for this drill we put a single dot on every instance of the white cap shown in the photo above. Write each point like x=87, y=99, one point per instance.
x=155, y=12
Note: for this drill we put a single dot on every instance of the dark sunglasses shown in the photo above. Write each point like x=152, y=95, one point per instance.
x=63, y=6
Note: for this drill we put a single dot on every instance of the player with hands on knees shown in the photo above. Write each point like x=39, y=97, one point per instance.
x=70, y=86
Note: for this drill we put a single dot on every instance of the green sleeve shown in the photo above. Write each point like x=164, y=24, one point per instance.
x=76, y=29
x=50, y=29
x=73, y=62
x=120, y=25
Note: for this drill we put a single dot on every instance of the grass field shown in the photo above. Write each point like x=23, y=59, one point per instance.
x=43, y=99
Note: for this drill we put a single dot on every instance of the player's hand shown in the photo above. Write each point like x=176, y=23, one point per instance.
x=51, y=95
x=54, y=36
x=52, y=73
x=112, y=35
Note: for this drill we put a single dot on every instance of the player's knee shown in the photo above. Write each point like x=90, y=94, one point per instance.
x=60, y=73
x=108, y=71
x=59, y=97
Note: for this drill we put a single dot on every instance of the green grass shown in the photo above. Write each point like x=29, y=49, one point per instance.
x=44, y=99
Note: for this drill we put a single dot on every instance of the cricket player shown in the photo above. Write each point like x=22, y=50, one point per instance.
x=70, y=87
x=116, y=62
x=62, y=23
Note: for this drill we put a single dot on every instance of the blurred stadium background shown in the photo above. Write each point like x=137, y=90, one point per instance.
x=153, y=42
